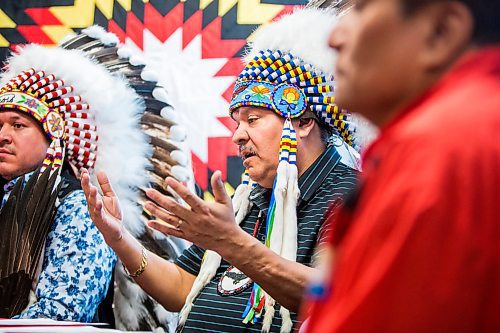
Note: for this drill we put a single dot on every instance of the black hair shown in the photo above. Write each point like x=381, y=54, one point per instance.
x=486, y=14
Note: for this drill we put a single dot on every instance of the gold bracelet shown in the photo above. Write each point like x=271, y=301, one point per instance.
x=142, y=267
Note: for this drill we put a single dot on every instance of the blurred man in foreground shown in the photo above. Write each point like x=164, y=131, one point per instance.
x=416, y=248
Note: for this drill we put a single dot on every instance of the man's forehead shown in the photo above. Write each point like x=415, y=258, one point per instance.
x=245, y=110
x=15, y=114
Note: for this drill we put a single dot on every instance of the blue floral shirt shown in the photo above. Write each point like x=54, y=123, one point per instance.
x=77, y=265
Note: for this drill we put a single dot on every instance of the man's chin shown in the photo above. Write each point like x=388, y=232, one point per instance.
x=260, y=179
x=7, y=173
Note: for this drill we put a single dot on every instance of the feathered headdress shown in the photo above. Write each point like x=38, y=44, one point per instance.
x=288, y=70
x=84, y=112
x=102, y=109
x=133, y=308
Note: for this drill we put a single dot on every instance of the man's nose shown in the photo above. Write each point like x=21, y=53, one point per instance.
x=240, y=135
x=5, y=134
x=337, y=35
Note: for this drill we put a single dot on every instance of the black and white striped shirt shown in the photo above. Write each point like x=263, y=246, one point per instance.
x=321, y=186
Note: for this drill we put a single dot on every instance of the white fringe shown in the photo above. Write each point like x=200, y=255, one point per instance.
x=241, y=202
x=268, y=314
x=276, y=237
x=284, y=234
x=289, y=248
x=286, y=321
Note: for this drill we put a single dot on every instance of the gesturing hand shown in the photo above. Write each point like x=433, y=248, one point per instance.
x=104, y=210
x=209, y=225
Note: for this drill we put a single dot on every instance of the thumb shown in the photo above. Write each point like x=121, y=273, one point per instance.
x=220, y=193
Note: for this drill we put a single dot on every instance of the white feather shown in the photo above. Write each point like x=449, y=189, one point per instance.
x=124, y=52
x=126, y=316
x=276, y=238
x=160, y=94
x=169, y=113
x=178, y=133
x=180, y=173
x=136, y=60
x=158, y=330
x=165, y=317
x=304, y=33
x=149, y=75
x=127, y=307
x=98, y=32
x=180, y=157
x=366, y=131
x=289, y=248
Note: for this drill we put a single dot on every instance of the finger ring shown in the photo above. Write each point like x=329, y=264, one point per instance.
x=180, y=223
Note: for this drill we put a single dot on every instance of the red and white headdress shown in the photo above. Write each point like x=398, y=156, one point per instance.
x=64, y=116
x=101, y=108
x=90, y=116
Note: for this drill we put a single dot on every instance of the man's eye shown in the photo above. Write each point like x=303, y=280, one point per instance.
x=18, y=125
x=252, y=120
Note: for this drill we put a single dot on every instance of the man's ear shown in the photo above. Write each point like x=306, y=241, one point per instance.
x=304, y=127
x=450, y=33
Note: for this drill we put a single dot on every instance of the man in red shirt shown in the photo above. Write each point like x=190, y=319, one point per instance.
x=417, y=248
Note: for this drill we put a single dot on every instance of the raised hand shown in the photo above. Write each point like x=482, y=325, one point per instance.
x=207, y=224
x=104, y=209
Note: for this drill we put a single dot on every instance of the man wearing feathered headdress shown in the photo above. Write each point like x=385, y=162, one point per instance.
x=60, y=113
x=253, y=255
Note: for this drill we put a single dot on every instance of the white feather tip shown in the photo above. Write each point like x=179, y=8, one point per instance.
x=168, y=113
x=124, y=52
x=180, y=173
x=179, y=157
x=136, y=60
x=149, y=75
x=160, y=94
x=178, y=133
x=98, y=32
